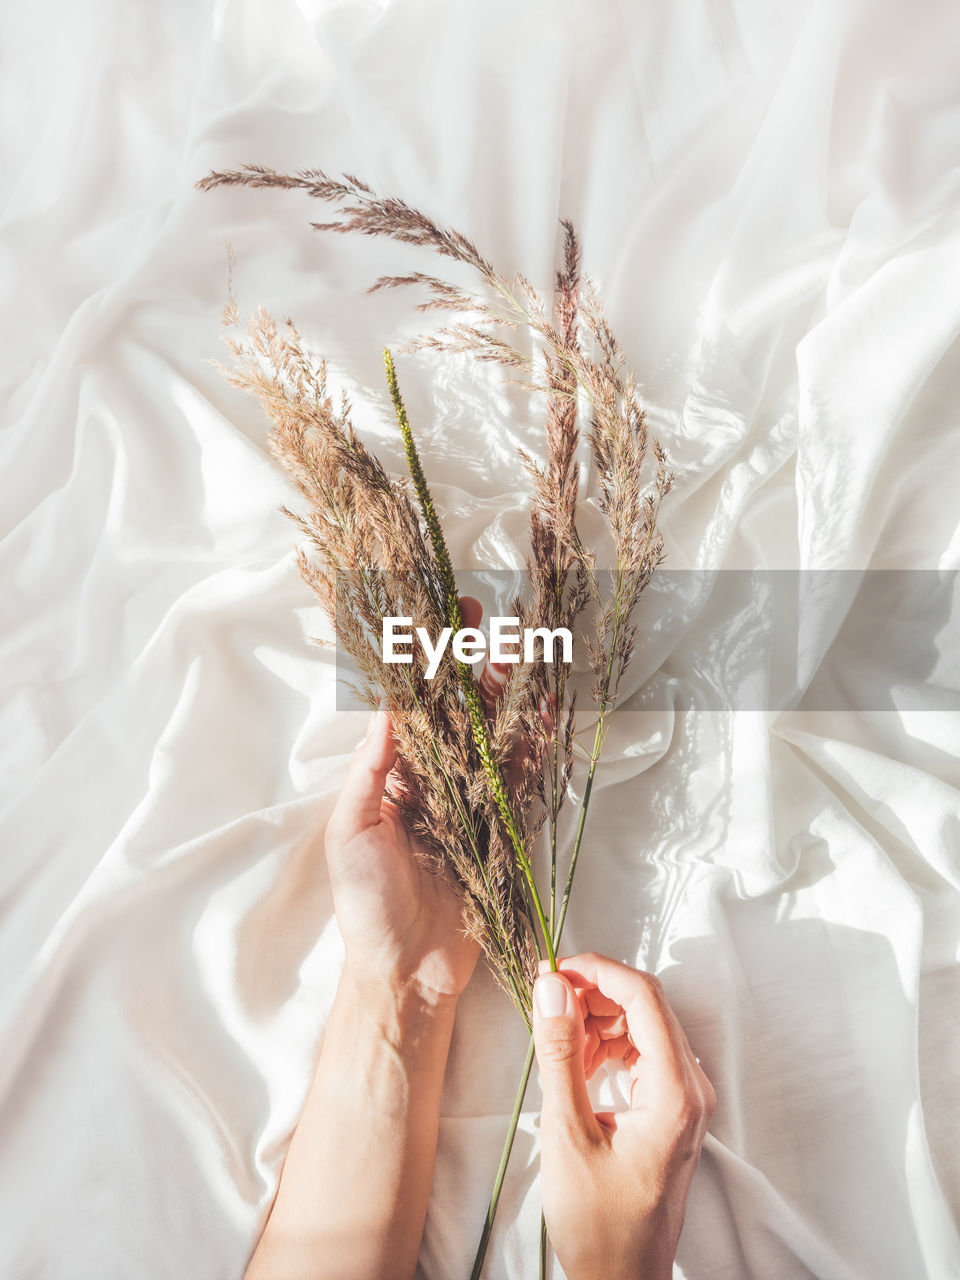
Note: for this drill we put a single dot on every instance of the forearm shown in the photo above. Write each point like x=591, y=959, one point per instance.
x=356, y=1180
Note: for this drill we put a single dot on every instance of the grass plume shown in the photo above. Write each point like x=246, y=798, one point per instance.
x=480, y=774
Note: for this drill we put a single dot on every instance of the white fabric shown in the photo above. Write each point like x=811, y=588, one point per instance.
x=768, y=197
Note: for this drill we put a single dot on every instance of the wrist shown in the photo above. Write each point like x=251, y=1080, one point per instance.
x=393, y=1000
x=643, y=1270
x=385, y=1047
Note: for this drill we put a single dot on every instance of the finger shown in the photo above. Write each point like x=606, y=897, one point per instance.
x=582, y=989
x=358, y=804
x=610, y=1028
x=393, y=787
x=639, y=995
x=652, y=1027
x=471, y=611
x=591, y=1041
x=619, y=1050
x=591, y=1047
x=607, y=1120
x=594, y=1051
x=599, y=1005
x=493, y=680
x=594, y=1057
x=559, y=1039
x=493, y=676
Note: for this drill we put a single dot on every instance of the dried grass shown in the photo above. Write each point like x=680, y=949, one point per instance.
x=478, y=777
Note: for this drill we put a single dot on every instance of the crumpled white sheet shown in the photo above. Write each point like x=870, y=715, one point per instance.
x=768, y=197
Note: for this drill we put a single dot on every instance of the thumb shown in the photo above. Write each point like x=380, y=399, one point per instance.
x=358, y=805
x=559, y=1038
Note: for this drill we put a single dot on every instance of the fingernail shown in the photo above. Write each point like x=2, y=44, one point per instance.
x=552, y=997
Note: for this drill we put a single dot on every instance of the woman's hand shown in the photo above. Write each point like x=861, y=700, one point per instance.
x=400, y=925
x=615, y=1185
x=356, y=1180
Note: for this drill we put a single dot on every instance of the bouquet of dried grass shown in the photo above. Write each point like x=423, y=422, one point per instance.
x=475, y=801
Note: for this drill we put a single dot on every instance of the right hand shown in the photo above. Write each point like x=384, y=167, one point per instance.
x=615, y=1185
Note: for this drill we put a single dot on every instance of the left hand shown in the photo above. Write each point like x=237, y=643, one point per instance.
x=399, y=923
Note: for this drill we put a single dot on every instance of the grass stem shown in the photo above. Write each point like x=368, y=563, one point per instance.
x=471, y=692
x=502, y=1167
